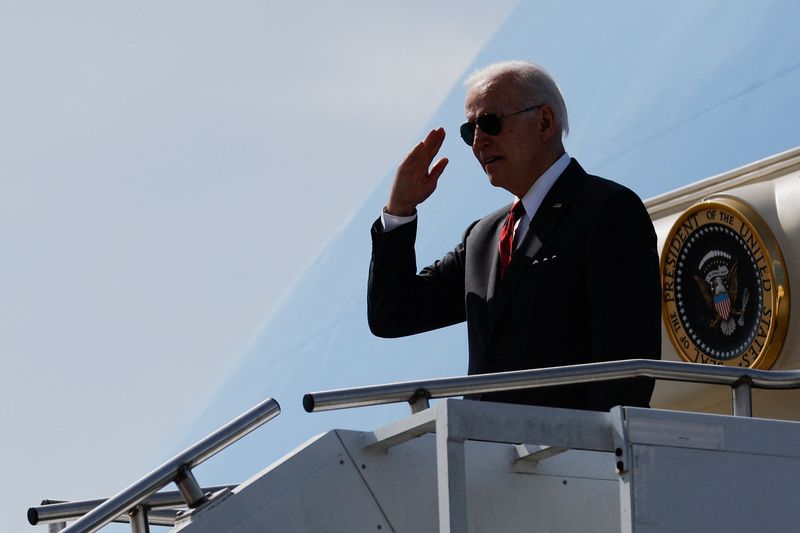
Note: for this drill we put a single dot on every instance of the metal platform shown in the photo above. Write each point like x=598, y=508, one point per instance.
x=461, y=466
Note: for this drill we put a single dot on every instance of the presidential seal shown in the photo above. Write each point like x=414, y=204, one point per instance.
x=724, y=287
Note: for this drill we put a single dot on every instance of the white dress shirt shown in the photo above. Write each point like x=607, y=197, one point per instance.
x=535, y=195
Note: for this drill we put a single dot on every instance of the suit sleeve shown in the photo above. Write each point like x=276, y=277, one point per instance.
x=624, y=296
x=401, y=301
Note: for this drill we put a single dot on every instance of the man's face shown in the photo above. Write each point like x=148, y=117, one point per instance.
x=514, y=158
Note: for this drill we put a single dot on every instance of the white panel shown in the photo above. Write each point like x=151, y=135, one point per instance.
x=501, y=496
x=692, y=490
x=317, y=488
x=698, y=473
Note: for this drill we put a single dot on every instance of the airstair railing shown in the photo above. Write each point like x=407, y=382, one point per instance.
x=417, y=393
x=163, y=508
x=132, y=500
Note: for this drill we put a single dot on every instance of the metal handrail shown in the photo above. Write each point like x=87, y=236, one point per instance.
x=61, y=510
x=177, y=469
x=155, y=517
x=741, y=379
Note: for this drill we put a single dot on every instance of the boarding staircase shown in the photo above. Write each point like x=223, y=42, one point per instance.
x=466, y=466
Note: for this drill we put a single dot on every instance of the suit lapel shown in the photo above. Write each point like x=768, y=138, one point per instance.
x=493, y=258
x=548, y=216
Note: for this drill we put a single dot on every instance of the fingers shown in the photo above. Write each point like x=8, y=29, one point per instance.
x=433, y=142
x=431, y=145
x=424, y=152
x=437, y=169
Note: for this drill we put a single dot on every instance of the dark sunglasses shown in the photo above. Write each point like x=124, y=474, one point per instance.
x=490, y=124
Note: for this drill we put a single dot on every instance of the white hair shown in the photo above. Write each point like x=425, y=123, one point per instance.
x=535, y=81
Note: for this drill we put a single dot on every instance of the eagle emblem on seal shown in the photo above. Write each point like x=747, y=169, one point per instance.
x=718, y=281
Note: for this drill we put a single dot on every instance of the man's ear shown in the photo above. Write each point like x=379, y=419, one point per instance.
x=547, y=123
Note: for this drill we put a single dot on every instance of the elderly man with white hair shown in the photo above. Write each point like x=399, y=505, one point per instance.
x=565, y=274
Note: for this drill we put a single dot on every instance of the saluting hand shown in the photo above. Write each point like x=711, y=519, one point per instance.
x=415, y=179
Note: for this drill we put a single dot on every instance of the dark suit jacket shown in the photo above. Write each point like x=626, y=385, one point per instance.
x=582, y=286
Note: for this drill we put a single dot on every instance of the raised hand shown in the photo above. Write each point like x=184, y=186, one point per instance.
x=416, y=179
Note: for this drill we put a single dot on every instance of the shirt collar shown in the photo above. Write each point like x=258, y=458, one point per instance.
x=535, y=195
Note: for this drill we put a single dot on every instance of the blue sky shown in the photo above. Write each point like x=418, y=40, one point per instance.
x=151, y=156
x=154, y=152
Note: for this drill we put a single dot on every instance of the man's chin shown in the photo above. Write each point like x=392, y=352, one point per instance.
x=494, y=179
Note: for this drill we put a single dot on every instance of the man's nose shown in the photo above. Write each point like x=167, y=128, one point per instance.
x=480, y=137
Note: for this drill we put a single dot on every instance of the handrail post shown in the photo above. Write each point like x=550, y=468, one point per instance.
x=139, y=522
x=419, y=401
x=192, y=494
x=451, y=475
x=742, y=398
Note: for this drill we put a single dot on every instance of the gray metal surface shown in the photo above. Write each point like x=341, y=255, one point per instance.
x=693, y=472
x=500, y=495
x=189, y=488
x=457, y=421
x=533, y=453
x=742, y=399
x=61, y=511
x=335, y=483
x=631, y=470
x=139, y=491
x=139, y=523
x=408, y=391
x=316, y=488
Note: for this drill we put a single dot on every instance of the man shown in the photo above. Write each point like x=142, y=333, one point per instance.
x=568, y=276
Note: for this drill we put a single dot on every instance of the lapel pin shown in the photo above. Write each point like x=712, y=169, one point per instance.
x=556, y=206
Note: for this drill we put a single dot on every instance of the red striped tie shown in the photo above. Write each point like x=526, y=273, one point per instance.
x=507, y=236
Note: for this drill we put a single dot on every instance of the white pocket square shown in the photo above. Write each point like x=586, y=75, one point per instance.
x=536, y=261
